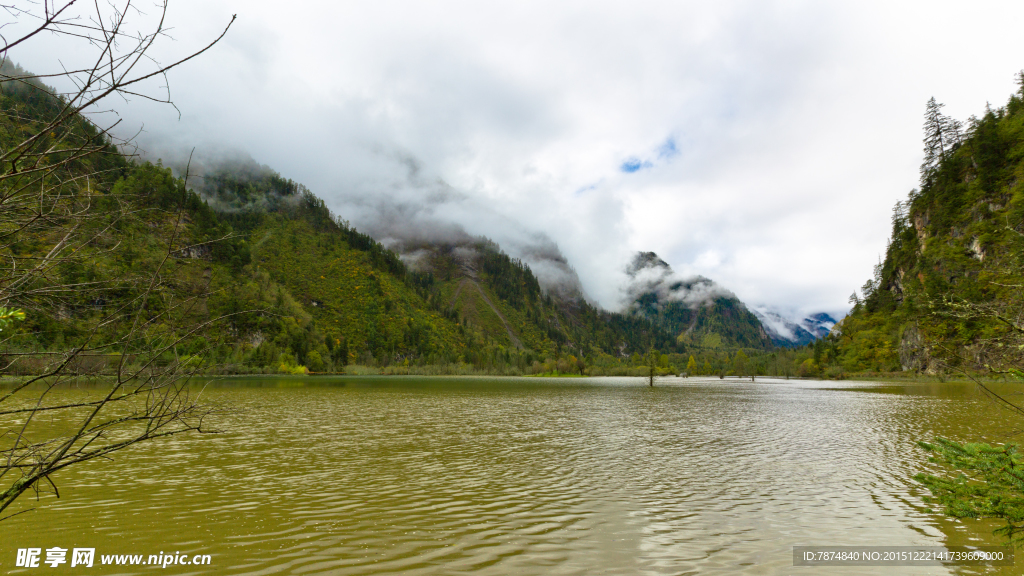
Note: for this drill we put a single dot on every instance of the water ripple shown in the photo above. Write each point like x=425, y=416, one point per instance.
x=418, y=476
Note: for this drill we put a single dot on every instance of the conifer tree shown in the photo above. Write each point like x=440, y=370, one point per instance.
x=942, y=135
x=988, y=484
x=934, y=145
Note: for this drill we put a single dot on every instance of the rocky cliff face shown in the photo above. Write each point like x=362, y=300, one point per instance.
x=914, y=353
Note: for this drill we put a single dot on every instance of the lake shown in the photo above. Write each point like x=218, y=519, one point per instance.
x=506, y=476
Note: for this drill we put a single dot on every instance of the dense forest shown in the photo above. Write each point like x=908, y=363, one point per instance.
x=947, y=296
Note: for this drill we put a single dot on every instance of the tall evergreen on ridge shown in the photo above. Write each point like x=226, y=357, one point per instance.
x=948, y=295
x=942, y=135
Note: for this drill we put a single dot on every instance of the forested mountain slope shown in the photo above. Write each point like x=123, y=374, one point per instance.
x=278, y=283
x=696, y=311
x=948, y=294
x=478, y=302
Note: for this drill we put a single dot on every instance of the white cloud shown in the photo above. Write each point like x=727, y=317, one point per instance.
x=796, y=125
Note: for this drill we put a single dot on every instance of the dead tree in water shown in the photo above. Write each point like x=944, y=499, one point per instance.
x=652, y=366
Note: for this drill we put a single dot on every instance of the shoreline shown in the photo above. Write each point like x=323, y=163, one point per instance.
x=439, y=372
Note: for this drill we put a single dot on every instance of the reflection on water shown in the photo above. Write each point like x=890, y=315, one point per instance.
x=524, y=476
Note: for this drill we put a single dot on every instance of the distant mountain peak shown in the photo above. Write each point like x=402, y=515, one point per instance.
x=694, y=309
x=653, y=282
x=819, y=324
x=646, y=261
x=788, y=332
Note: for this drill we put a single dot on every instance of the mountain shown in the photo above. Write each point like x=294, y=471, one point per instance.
x=786, y=332
x=948, y=296
x=696, y=310
x=301, y=290
x=278, y=283
x=496, y=299
x=819, y=325
x=783, y=332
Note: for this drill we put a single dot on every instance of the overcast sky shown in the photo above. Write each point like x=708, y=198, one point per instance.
x=761, y=144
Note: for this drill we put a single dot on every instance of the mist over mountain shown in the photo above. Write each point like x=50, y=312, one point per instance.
x=652, y=280
x=424, y=231
x=411, y=224
x=785, y=331
x=696, y=310
x=427, y=237
x=655, y=290
x=819, y=324
x=231, y=182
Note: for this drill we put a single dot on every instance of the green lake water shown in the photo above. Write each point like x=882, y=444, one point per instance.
x=503, y=476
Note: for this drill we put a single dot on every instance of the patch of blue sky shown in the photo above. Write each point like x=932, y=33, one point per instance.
x=632, y=165
x=588, y=188
x=668, y=148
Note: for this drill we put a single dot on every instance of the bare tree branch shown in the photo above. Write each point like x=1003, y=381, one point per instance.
x=54, y=219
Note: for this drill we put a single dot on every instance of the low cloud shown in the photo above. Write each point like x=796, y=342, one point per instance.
x=229, y=181
x=417, y=213
x=690, y=129
x=429, y=211
x=650, y=275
